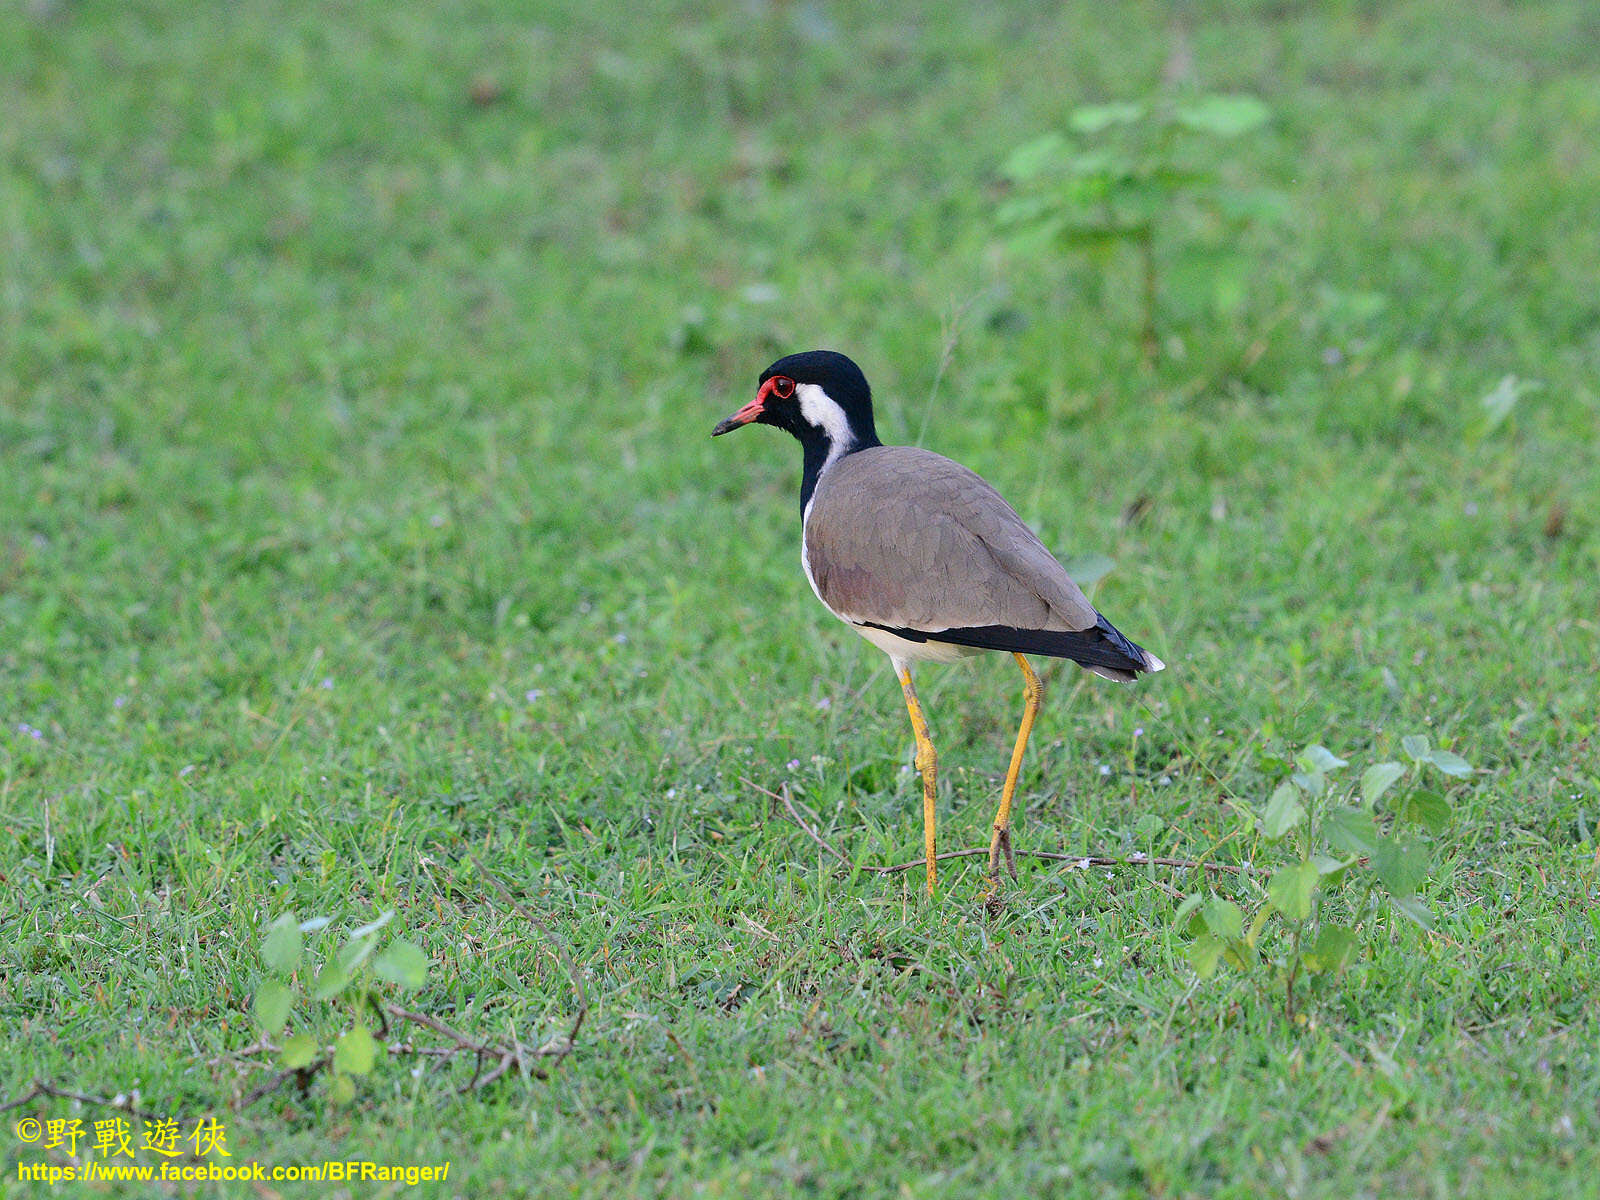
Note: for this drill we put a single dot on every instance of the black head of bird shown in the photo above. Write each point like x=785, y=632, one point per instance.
x=822, y=398
x=820, y=393
x=925, y=560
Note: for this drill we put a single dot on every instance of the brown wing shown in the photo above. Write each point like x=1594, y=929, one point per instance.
x=907, y=539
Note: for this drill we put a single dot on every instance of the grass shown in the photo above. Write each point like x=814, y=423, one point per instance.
x=360, y=522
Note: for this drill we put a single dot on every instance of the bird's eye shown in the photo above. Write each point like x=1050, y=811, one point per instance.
x=782, y=387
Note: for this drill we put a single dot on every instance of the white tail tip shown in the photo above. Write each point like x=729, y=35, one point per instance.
x=1152, y=663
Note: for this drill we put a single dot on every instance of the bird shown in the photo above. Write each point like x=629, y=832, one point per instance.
x=926, y=561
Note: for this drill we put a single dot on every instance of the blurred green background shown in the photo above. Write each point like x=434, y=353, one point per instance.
x=357, y=510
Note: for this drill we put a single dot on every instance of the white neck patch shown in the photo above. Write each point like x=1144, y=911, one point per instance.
x=823, y=411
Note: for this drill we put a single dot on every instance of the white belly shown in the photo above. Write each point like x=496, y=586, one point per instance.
x=906, y=650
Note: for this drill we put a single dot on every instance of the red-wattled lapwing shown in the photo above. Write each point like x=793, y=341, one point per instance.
x=924, y=559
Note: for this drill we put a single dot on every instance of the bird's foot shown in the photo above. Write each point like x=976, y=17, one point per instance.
x=999, y=844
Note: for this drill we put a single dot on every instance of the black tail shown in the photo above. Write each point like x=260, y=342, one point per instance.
x=1103, y=648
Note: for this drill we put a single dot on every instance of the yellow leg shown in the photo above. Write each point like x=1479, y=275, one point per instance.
x=928, y=764
x=1033, y=691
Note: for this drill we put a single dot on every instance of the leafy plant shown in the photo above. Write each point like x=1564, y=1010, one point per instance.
x=1349, y=855
x=1499, y=404
x=1121, y=175
x=344, y=992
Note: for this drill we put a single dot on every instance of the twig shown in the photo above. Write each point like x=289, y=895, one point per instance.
x=1087, y=860
x=798, y=820
x=462, y=1041
x=502, y=1054
x=267, y=1086
x=41, y=1088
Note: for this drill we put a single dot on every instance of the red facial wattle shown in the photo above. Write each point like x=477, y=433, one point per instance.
x=780, y=386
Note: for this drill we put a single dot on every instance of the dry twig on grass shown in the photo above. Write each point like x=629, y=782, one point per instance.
x=42, y=1088
x=1082, y=860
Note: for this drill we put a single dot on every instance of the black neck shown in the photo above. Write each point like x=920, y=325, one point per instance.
x=816, y=447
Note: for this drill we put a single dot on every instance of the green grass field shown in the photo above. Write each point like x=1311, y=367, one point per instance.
x=360, y=532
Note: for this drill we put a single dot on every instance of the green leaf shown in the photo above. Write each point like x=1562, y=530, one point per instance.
x=1401, y=865
x=402, y=963
x=1312, y=783
x=1253, y=934
x=1095, y=118
x=1331, y=951
x=1321, y=760
x=1171, y=177
x=1138, y=201
x=1252, y=204
x=1025, y=209
x=1350, y=830
x=1499, y=403
x=1291, y=888
x=1032, y=159
x=1239, y=954
x=298, y=1052
x=281, y=948
x=1450, y=764
x=1332, y=870
x=1378, y=779
x=1190, y=903
x=1089, y=569
x=331, y=980
x=1225, y=116
x=1077, y=237
x=1229, y=290
x=1223, y=918
x=373, y=927
x=354, y=1052
x=271, y=1006
x=1095, y=169
x=1147, y=826
x=342, y=1090
x=1416, y=746
x=1415, y=909
x=355, y=952
x=1029, y=238
x=1204, y=953
x=1427, y=808
x=1284, y=811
